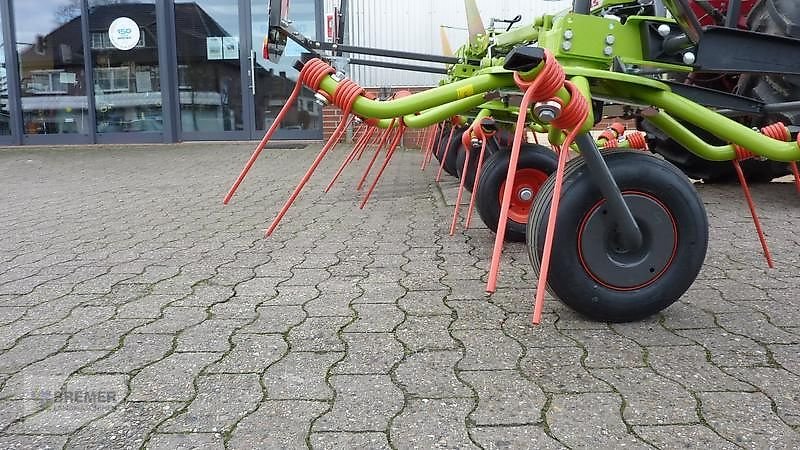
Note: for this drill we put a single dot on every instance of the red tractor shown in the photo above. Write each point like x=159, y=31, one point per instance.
x=775, y=17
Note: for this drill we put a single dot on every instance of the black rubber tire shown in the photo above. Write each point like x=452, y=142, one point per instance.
x=451, y=156
x=437, y=143
x=493, y=176
x=697, y=168
x=643, y=176
x=472, y=167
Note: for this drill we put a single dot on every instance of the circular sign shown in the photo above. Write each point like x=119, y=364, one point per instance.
x=124, y=33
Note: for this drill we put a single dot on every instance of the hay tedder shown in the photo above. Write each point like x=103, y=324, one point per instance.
x=615, y=232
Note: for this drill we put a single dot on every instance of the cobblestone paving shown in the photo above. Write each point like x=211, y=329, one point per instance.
x=169, y=322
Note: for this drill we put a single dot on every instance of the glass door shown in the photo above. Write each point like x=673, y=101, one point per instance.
x=124, y=38
x=6, y=127
x=271, y=83
x=210, y=76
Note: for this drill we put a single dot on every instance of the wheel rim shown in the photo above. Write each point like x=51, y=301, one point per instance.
x=527, y=183
x=620, y=270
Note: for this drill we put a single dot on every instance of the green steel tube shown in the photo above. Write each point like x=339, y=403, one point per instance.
x=686, y=138
x=443, y=112
x=528, y=33
x=717, y=124
x=424, y=100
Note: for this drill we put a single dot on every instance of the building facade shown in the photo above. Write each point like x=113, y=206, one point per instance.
x=150, y=71
x=125, y=71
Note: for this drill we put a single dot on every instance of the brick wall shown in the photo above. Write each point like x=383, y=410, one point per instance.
x=331, y=116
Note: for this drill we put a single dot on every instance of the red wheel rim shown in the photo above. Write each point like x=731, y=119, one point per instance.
x=526, y=185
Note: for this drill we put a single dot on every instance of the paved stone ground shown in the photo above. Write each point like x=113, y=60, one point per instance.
x=168, y=322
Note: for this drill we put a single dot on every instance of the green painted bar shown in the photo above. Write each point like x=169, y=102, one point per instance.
x=717, y=124
x=431, y=98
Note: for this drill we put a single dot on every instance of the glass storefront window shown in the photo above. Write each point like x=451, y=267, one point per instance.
x=5, y=112
x=209, y=72
x=274, y=82
x=127, y=84
x=49, y=47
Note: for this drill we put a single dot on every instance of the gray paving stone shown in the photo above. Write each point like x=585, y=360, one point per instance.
x=608, y=349
x=30, y=349
x=221, y=401
x=578, y=419
x=781, y=312
x=78, y=319
x=104, y=335
x=9, y=334
x=330, y=305
x=174, y=320
x=756, y=326
x=275, y=319
x=683, y=436
x=11, y=410
x=528, y=437
x=559, y=369
x=9, y=314
x=689, y=367
x=260, y=287
x=739, y=320
x=198, y=441
x=318, y=334
x=426, y=333
x=487, y=350
x=27, y=441
x=518, y=327
x=138, y=419
x=375, y=318
x=238, y=308
x=338, y=440
x=519, y=402
x=649, y=332
x=137, y=351
x=431, y=423
x=300, y=375
x=83, y=398
x=788, y=356
x=779, y=385
x=362, y=403
x=293, y=296
x=650, y=399
x=252, y=353
x=476, y=315
x=205, y=295
x=728, y=350
x=750, y=424
x=48, y=374
x=424, y=303
x=431, y=374
x=369, y=353
x=377, y=292
x=148, y=307
x=57, y=308
x=277, y=424
x=211, y=335
x=171, y=378
x=683, y=316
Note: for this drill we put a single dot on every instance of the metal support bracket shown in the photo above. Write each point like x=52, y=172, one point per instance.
x=629, y=233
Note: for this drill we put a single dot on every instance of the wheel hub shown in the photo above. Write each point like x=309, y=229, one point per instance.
x=526, y=184
x=615, y=267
